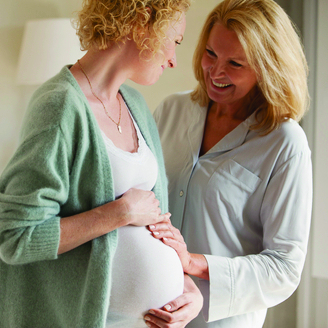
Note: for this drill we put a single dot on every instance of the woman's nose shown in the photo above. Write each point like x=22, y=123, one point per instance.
x=173, y=62
x=217, y=70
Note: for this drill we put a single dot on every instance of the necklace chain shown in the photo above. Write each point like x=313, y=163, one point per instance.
x=118, y=124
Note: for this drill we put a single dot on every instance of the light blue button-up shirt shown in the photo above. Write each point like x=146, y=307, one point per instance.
x=245, y=205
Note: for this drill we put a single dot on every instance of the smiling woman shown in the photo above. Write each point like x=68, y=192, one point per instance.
x=234, y=164
x=88, y=177
x=227, y=74
x=230, y=81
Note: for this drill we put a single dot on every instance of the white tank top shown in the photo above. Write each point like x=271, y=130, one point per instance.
x=146, y=273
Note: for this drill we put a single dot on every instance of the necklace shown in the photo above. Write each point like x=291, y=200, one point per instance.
x=119, y=119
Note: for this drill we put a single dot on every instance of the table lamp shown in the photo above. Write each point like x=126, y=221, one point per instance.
x=47, y=46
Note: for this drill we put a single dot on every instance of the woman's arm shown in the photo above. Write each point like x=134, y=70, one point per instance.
x=34, y=190
x=135, y=207
x=253, y=282
x=193, y=264
x=179, y=312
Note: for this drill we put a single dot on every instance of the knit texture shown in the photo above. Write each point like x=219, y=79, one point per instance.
x=61, y=168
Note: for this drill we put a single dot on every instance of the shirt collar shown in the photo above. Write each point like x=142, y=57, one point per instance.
x=236, y=137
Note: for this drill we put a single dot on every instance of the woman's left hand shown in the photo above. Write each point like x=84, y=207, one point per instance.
x=172, y=237
x=179, y=312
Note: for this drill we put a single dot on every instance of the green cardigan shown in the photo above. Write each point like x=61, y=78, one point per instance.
x=61, y=168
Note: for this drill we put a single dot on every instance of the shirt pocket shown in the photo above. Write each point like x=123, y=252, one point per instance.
x=229, y=189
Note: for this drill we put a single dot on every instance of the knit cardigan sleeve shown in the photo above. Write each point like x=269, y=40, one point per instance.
x=33, y=188
x=35, y=184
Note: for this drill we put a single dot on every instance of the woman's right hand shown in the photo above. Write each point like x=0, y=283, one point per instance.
x=172, y=237
x=135, y=207
x=194, y=264
x=179, y=312
x=142, y=208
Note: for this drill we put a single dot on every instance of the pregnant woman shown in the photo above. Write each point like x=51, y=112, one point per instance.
x=86, y=180
x=145, y=274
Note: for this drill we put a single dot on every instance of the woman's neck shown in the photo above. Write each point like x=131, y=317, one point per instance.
x=105, y=69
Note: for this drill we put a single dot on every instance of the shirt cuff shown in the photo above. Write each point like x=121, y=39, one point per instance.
x=219, y=290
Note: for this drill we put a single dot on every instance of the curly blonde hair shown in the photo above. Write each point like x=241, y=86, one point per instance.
x=273, y=49
x=101, y=22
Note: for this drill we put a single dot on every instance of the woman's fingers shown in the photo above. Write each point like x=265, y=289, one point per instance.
x=141, y=208
x=182, y=251
x=172, y=237
x=179, y=246
x=165, y=229
x=164, y=319
x=179, y=312
x=160, y=219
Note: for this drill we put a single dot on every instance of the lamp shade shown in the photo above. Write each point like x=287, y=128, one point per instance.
x=47, y=46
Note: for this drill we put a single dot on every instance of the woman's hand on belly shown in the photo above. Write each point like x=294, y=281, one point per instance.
x=179, y=312
x=141, y=208
x=194, y=264
x=172, y=237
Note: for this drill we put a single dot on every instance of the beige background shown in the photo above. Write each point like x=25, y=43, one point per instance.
x=312, y=301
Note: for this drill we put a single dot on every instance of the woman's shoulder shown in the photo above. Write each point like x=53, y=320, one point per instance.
x=56, y=103
x=177, y=105
x=290, y=138
x=292, y=132
x=178, y=99
x=58, y=95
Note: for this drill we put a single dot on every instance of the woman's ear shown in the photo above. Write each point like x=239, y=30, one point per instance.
x=149, y=11
x=143, y=22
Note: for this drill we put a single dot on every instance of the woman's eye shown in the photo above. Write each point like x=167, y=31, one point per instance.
x=233, y=63
x=210, y=53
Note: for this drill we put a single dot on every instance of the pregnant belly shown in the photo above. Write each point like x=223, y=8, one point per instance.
x=146, y=274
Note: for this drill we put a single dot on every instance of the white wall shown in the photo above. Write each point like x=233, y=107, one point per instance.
x=313, y=292
x=320, y=210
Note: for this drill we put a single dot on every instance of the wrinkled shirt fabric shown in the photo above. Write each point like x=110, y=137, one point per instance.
x=245, y=204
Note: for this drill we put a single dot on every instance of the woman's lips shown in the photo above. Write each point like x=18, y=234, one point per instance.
x=221, y=85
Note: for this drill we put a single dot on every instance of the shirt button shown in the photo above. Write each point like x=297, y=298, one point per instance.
x=181, y=193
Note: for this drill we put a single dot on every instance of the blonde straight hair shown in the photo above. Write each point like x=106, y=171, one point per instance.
x=273, y=49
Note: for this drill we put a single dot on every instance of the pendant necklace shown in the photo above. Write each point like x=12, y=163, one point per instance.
x=118, y=124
